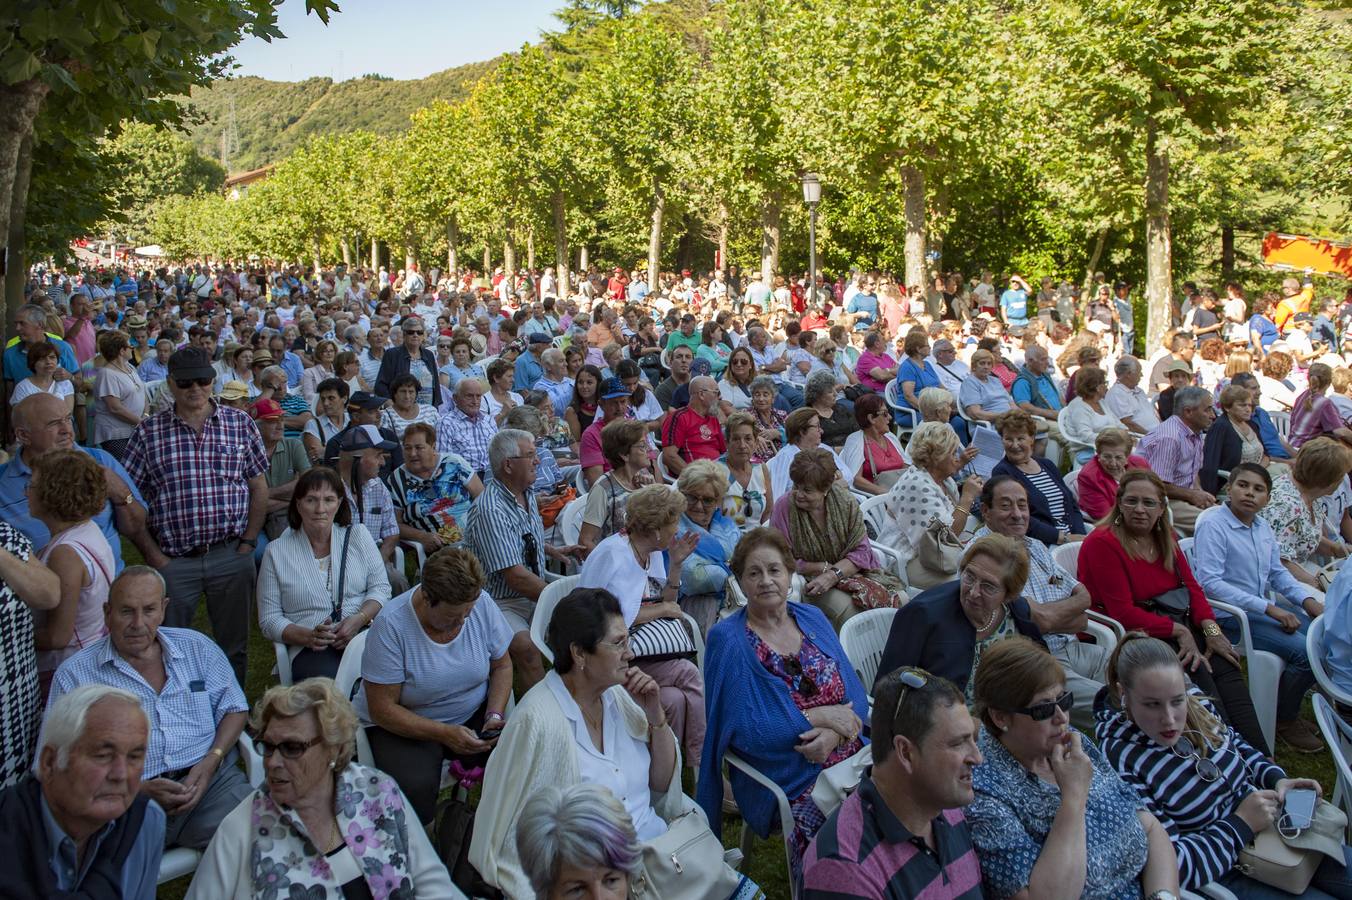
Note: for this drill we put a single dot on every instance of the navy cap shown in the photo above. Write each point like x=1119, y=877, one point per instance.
x=363, y=437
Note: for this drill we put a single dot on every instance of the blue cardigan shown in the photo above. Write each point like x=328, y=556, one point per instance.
x=750, y=711
x=1040, y=524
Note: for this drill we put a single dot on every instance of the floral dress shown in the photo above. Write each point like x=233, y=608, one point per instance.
x=1297, y=529
x=770, y=434
x=813, y=679
x=18, y=672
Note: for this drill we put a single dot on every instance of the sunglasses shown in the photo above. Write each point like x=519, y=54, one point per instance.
x=1041, y=712
x=1207, y=770
x=803, y=683
x=911, y=680
x=185, y=383
x=288, y=749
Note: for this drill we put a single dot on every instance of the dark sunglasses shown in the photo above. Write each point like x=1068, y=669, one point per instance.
x=185, y=383
x=1207, y=770
x=288, y=749
x=911, y=680
x=802, y=682
x=1041, y=712
x=414, y=333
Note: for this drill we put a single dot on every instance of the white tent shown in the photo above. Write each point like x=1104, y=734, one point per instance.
x=152, y=250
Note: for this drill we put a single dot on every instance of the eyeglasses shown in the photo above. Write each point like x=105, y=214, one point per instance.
x=288, y=749
x=696, y=500
x=1041, y=712
x=803, y=683
x=1207, y=770
x=185, y=383
x=618, y=646
x=1139, y=502
x=911, y=680
x=988, y=589
x=414, y=333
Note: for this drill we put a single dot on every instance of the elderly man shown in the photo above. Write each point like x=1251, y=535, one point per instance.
x=1056, y=600
x=203, y=471
x=185, y=687
x=555, y=381
x=1127, y=400
x=31, y=322
x=1174, y=452
x=466, y=428
x=41, y=423
x=370, y=359
x=84, y=828
x=529, y=368
x=910, y=804
x=694, y=432
x=271, y=382
x=287, y=459
x=155, y=367
x=505, y=532
x=950, y=369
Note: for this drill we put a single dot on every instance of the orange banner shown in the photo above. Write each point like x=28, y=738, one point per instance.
x=1322, y=257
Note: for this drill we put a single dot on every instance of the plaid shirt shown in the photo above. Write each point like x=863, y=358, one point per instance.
x=1174, y=452
x=196, y=486
x=375, y=509
x=458, y=433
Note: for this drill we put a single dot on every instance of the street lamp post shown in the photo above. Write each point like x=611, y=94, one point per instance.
x=812, y=195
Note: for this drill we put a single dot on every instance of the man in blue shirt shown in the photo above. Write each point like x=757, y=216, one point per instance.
x=528, y=367
x=31, y=323
x=1034, y=391
x=83, y=824
x=1237, y=561
x=290, y=362
x=42, y=424
x=1014, y=302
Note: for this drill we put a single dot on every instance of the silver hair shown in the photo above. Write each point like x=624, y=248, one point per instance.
x=140, y=571
x=271, y=372
x=764, y=383
x=551, y=356
x=1036, y=350
x=504, y=444
x=467, y=382
x=582, y=826
x=35, y=314
x=64, y=723
x=525, y=418
x=818, y=384
x=1125, y=365
x=1191, y=397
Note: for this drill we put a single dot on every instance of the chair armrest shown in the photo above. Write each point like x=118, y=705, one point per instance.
x=1112, y=624
x=1245, y=635
x=785, y=811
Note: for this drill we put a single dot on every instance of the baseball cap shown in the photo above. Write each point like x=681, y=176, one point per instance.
x=189, y=363
x=613, y=388
x=539, y=337
x=265, y=408
x=1178, y=365
x=235, y=390
x=1302, y=317
x=363, y=437
x=365, y=400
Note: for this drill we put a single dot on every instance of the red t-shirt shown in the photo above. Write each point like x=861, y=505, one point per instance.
x=695, y=436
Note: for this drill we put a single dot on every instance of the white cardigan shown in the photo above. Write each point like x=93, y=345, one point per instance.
x=291, y=586
x=537, y=750
x=853, y=452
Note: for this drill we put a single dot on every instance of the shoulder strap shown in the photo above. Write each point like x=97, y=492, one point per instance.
x=342, y=577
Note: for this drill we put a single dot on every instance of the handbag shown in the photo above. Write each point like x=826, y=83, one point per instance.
x=660, y=639
x=685, y=863
x=452, y=833
x=1175, y=603
x=1289, y=864
x=937, y=555
x=836, y=783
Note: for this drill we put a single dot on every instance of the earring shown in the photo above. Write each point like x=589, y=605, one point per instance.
x=332, y=763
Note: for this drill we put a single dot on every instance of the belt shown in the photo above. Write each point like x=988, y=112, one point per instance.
x=175, y=776
x=204, y=549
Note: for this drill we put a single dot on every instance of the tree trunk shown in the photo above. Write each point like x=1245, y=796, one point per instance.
x=723, y=217
x=452, y=239
x=410, y=253
x=655, y=235
x=770, y=215
x=375, y=255
x=347, y=253
x=19, y=106
x=943, y=207
x=530, y=251
x=914, y=181
x=17, y=272
x=1228, y=252
x=488, y=262
x=1092, y=266
x=318, y=250
x=582, y=260
x=509, y=255
x=561, y=244
x=1158, y=240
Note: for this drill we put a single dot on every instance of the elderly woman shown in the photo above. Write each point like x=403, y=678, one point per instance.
x=734, y=388
x=926, y=493
x=872, y=451
x=595, y=718
x=324, y=355
x=947, y=628
x=624, y=444
x=1319, y=469
x=460, y=365
x=916, y=372
x=432, y=491
x=1084, y=417
x=65, y=492
x=119, y=395
x=939, y=405
x=769, y=420
x=875, y=367
x=321, y=825
x=578, y=842
x=1051, y=816
x=642, y=567
x=1313, y=413
x=1231, y=439
x=982, y=396
x=803, y=431
x=837, y=421
x=1212, y=790
x=404, y=408
x=749, y=497
x=780, y=693
x=1096, y=482
x=704, y=485
x=1137, y=574
x=830, y=543
x=1055, y=515
x=323, y=580
x=436, y=677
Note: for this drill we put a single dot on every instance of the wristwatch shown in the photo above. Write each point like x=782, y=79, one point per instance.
x=1162, y=895
x=835, y=570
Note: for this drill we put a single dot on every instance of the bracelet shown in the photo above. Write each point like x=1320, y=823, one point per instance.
x=962, y=509
x=659, y=726
x=1211, y=629
x=493, y=714
x=220, y=754
x=250, y=541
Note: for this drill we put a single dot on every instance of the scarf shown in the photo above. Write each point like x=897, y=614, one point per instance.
x=30, y=869
x=844, y=530
x=373, y=823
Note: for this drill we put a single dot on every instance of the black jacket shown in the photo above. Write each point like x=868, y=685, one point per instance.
x=1222, y=449
x=1040, y=522
x=395, y=363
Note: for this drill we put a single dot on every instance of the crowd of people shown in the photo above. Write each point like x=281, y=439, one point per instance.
x=386, y=475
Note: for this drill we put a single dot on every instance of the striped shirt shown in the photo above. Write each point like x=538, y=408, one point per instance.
x=1056, y=501
x=458, y=433
x=374, y=509
x=500, y=531
x=1174, y=452
x=199, y=690
x=1200, y=818
x=863, y=851
x=196, y=485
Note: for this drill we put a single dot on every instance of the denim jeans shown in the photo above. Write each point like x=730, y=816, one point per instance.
x=1330, y=880
x=1268, y=635
x=789, y=397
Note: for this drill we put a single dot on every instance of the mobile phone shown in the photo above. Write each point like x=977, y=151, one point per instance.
x=1298, y=811
x=487, y=734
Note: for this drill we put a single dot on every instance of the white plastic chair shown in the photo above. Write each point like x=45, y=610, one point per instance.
x=349, y=670
x=1073, y=484
x=662, y=471
x=179, y=862
x=570, y=520
x=1067, y=556
x=864, y=636
x=781, y=801
x=892, y=398
x=283, y=663
x=1107, y=631
x=1338, y=735
x=1282, y=422
x=1314, y=649
x=544, y=611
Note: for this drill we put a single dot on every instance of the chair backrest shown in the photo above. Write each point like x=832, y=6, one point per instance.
x=891, y=397
x=1338, y=735
x=874, y=510
x=349, y=667
x=1067, y=556
x=1282, y=422
x=1073, y=485
x=662, y=470
x=1314, y=651
x=864, y=636
x=1185, y=544
x=544, y=611
x=570, y=520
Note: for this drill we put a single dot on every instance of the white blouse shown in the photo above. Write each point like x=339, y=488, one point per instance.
x=1080, y=425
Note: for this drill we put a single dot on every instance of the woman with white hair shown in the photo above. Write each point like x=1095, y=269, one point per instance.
x=578, y=842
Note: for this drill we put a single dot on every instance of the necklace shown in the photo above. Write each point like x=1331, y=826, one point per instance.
x=642, y=563
x=991, y=621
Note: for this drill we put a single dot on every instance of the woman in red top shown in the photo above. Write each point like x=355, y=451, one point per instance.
x=1131, y=558
x=1096, y=482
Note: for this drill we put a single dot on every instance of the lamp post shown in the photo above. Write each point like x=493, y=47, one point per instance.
x=812, y=195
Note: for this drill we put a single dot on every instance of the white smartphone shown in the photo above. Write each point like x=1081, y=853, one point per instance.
x=1298, y=811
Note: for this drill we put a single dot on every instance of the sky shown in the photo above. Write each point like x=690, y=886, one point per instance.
x=398, y=38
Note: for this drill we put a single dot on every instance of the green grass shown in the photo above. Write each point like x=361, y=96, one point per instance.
x=766, y=865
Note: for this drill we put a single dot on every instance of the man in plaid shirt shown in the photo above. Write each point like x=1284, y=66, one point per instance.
x=203, y=472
